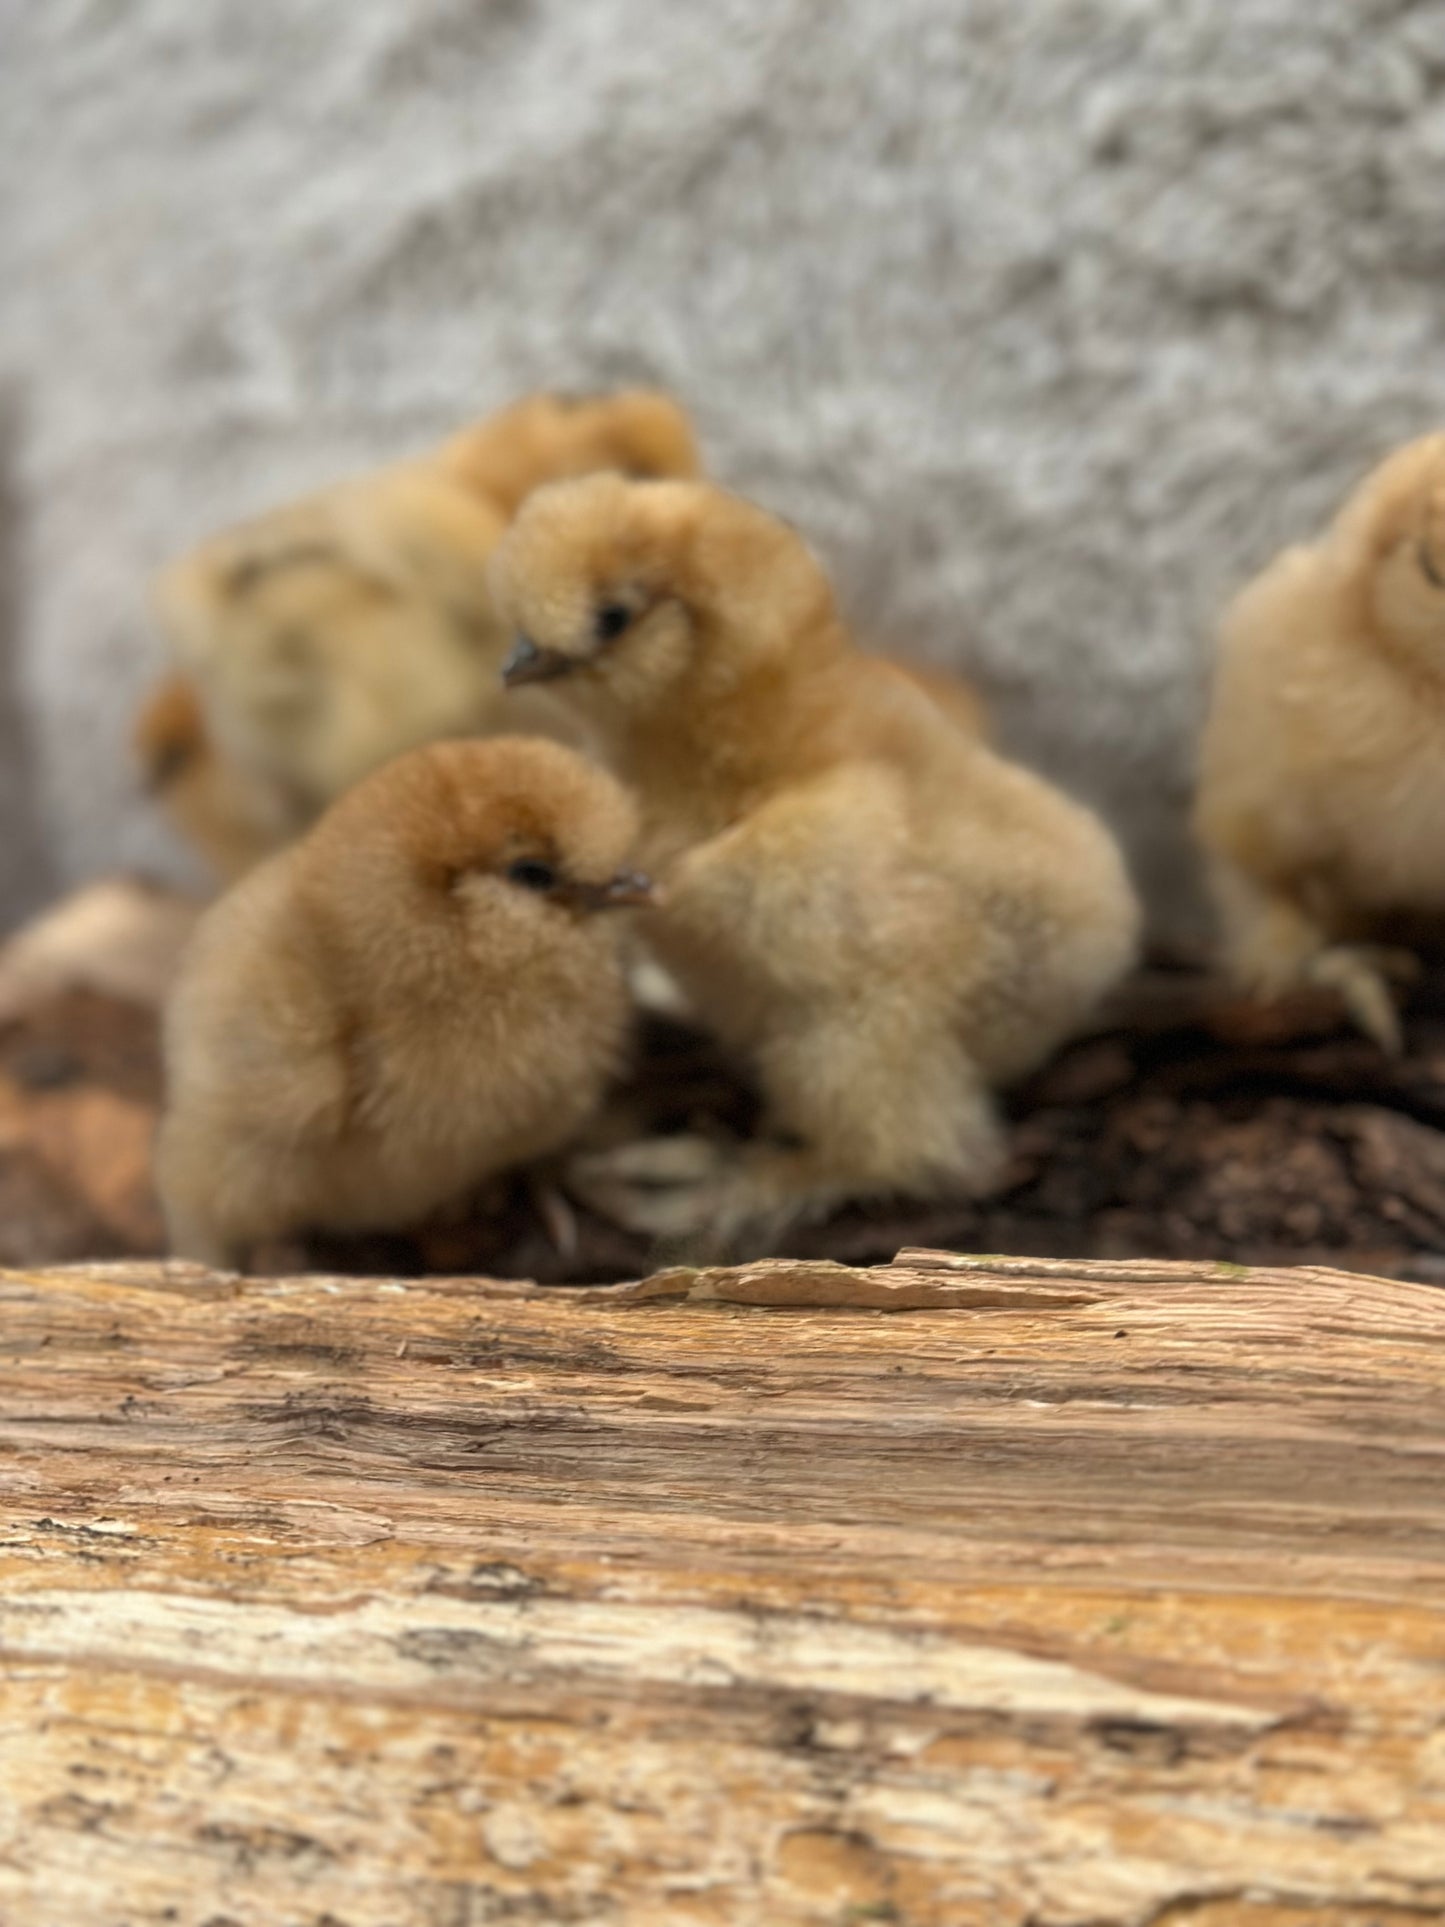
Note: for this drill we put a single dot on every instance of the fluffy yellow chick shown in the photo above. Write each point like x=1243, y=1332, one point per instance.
x=417, y=994
x=1321, y=802
x=328, y=636
x=332, y=634
x=877, y=910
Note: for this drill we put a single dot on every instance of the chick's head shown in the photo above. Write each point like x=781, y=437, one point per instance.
x=549, y=437
x=506, y=845
x=642, y=432
x=1395, y=526
x=589, y=577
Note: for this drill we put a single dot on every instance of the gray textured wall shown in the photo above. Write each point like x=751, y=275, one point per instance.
x=1046, y=321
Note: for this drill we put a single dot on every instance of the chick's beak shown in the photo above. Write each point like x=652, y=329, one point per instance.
x=626, y=888
x=529, y=663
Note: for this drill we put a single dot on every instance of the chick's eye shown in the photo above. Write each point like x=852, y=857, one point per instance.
x=533, y=875
x=612, y=619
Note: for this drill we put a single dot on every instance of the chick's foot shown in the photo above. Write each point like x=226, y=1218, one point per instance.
x=663, y=1187
x=1361, y=974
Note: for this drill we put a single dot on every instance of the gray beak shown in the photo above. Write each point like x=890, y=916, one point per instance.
x=626, y=888
x=528, y=663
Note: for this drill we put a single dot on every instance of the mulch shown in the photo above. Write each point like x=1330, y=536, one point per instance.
x=1191, y=1126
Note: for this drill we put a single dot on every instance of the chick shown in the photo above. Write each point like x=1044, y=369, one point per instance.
x=336, y=632
x=329, y=636
x=416, y=995
x=862, y=898
x=1321, y=800
x=231, y=822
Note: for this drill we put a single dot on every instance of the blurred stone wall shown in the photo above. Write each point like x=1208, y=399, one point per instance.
x=1047, y=323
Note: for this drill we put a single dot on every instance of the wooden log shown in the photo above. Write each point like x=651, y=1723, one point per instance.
x=962, y=1591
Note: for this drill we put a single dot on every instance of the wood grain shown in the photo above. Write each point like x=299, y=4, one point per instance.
x=982, y=1591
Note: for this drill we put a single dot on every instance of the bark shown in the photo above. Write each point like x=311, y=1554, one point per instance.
x=962, y=1591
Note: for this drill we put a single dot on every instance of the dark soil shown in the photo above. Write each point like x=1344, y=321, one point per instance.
x=1197, y=1127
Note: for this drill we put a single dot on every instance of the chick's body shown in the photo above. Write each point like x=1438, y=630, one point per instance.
x=416, y=995
x=882, y=913
x=1321, y=800
x=336, y=632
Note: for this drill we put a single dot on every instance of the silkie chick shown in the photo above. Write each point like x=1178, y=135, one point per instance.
x=418, y=994
x=328, y=636
x=878, y=911
x=1321, y=801
x=333, y=633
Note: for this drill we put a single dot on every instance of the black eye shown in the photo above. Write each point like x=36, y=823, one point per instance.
x=612, y=619
x=533, y=875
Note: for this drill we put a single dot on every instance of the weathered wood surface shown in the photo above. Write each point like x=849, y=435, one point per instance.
x=1069, y=1594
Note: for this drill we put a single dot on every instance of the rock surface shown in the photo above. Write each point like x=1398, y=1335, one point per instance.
x=1047, y=324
